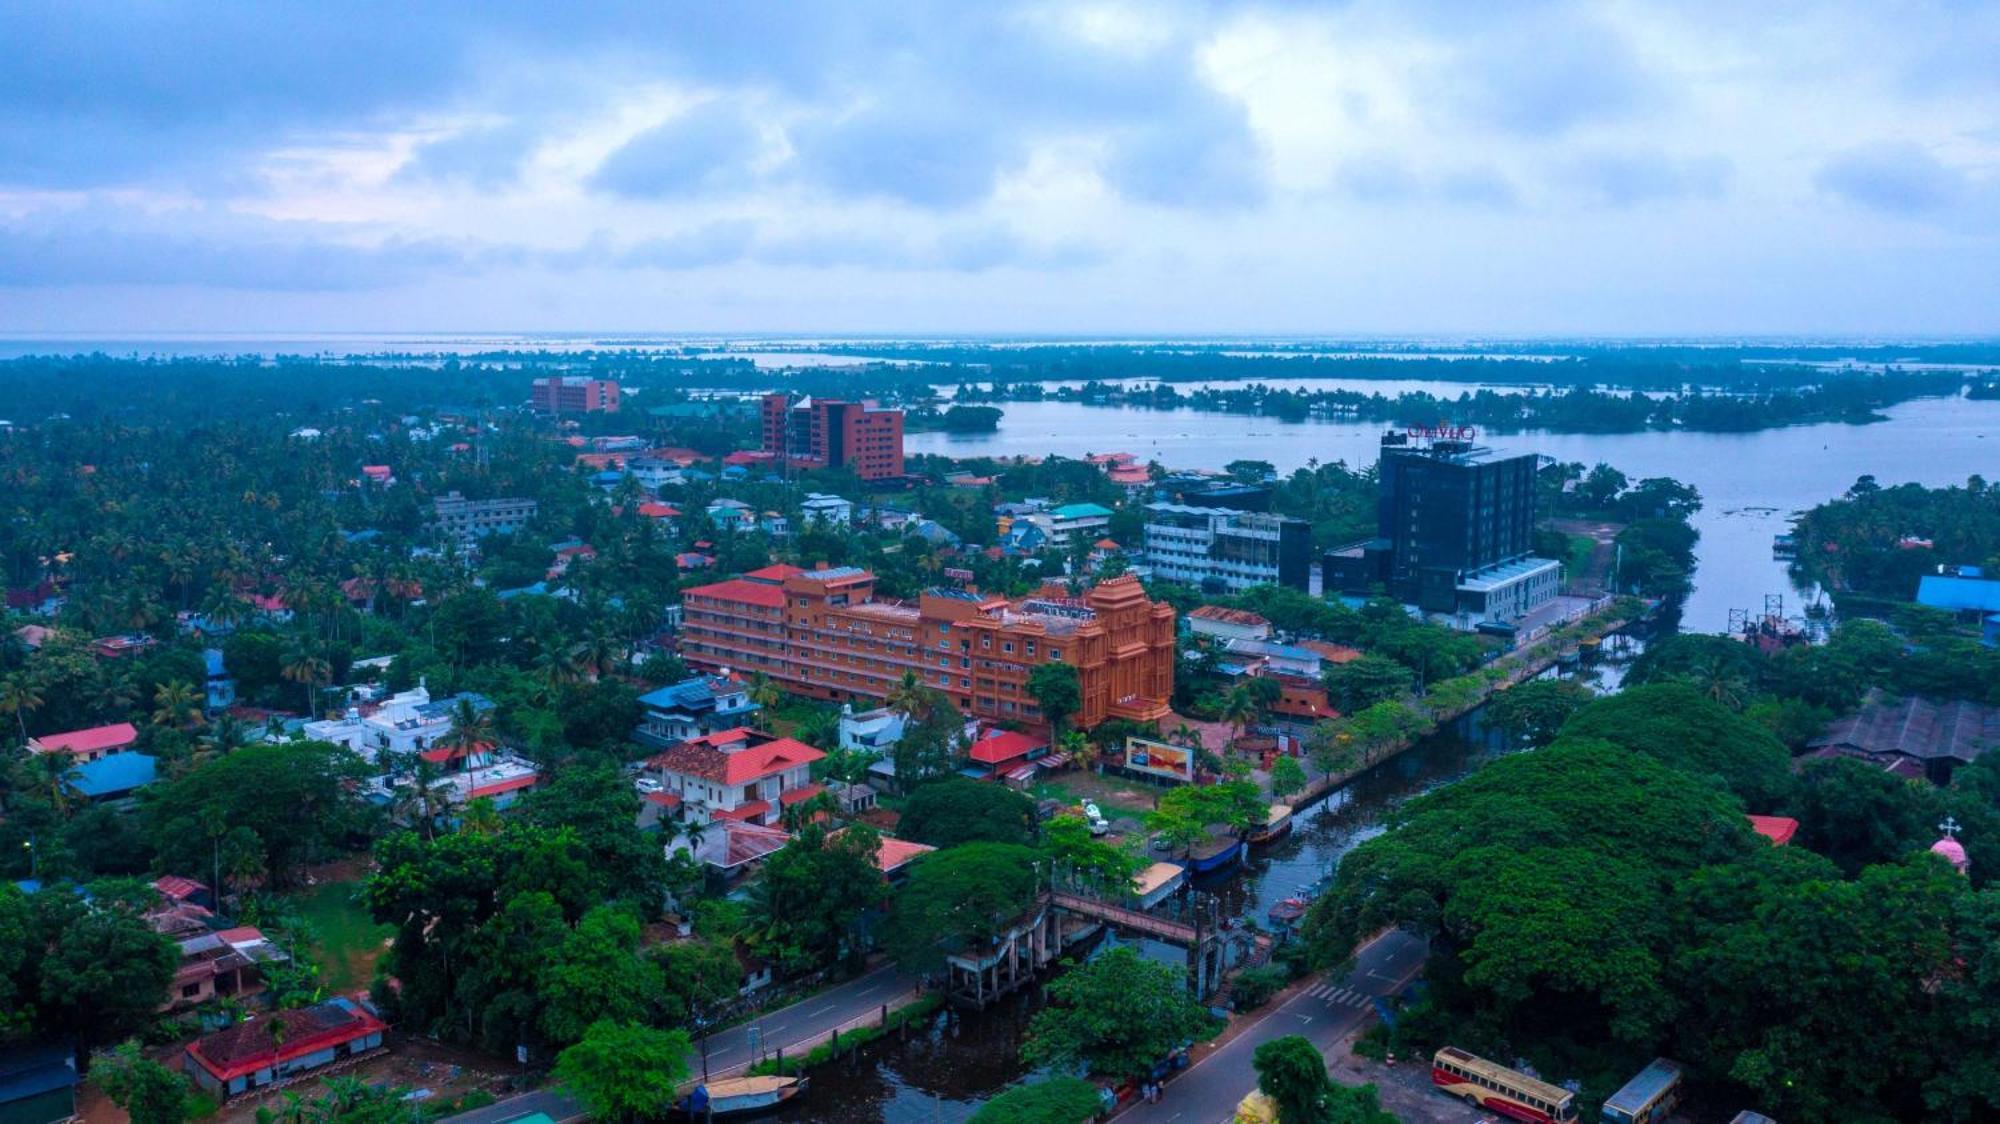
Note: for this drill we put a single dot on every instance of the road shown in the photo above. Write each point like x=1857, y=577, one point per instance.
x=1208, y=1091
x=798, y=1028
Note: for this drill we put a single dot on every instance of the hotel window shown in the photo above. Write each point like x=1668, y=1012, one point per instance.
x=1055, y=653
x=1031, y=647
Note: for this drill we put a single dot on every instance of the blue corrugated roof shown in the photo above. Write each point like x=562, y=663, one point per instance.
x=1079, y=511
x=34, y=1070
x=115, y=774
x=1959, y=594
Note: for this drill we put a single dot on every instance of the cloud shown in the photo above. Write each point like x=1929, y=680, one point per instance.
x=1893, y=177
x=1631, y=177
x=708, y=148
x=1551, y=72
x=908, y=153
x=1204, y=155
x=486, y=156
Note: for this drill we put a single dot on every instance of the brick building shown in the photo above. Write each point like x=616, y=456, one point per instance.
x=574, y=395
x=829, y=433
x=823, y=634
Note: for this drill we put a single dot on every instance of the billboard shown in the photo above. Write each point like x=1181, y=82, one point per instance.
x=1160, y=759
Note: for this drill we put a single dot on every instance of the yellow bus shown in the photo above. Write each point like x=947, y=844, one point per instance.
x=1491, y=1087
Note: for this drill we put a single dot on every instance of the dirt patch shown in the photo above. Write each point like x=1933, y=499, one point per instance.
x=432, y=1070
x=1405, y=1088
x=1107, y=792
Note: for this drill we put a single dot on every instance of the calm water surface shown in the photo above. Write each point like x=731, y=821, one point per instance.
x=1749, y=482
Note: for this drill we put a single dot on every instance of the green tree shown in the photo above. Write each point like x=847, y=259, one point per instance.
x=300, y=800
x=597, y=973
x=1359, y=684
x=1052, y=1100
x=101, y=971
x=813, y=893
x=150, y=1092
x=1117, y=1015
x=1292, y=1072
x=949, y=812
x=959, y=897
x=1287, y=776
x=624, y=1071
x=1857, y=815
x=1679, y=726
x=1532, y=712
x=1057, y=692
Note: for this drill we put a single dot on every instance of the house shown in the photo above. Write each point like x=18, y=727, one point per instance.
x=33, y=636
x=692, y=707
x=90, y=744
x=1023, y=537
x=1064, y=524
x=1253, y=657
x=1228, y=624
x=1914, y=733
x=775, y=525
x=407, y=722
x=1005, y=755
x=661, y=513
x=1778, y=829
x=870, y=731
x=731, y=515
x=222, y=965
x=569, y=554
x=380, y=475
x=935, y=533
x=894, y=856
x=118, y=647
x=38, y=1083
x=740, y=774
x=826, y=510
x=694, y=560
x=655, y=472
x=249, y=1056
x=852, y=799
x=219, y=690
x=115, y=776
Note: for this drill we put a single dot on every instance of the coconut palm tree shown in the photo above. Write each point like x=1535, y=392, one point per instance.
x=176, y=705
x=595, y=655
x=19, y=696
x=225, y=736
x=1079, y=748
x=53, y=775
x=796, y=816
x=480, y=817
x=1186, y=735
x=471, y=727
x=911, y=697
x=117, y=694
x=1239, y=709
x=765, y=693
x=302, y=666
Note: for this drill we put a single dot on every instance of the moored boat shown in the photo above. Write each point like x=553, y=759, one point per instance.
x=1276, y=823
x=740, y=1096
x=1218, y=852
x=1289, y=911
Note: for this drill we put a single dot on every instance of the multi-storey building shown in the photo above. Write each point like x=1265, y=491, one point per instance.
x=466, y=520
x=829, y=433
x=738, y=774
x=1072, y=521
x=1225, y=551
x=571, y=394
x=822, y=633
x=1455, y=531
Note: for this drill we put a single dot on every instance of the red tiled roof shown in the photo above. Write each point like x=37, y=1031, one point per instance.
x=703, y=757
x=664, y=799
x=741, y=811
x=1229, y=616
x=659, y=510
x=895, y=853
x=178, y=888
x=776, y=572
x=241, y=934
x=741, y=591
x=1003, y=745
x=442, y=754
x=246, y=1047
x=511, y=784
x=97, y=739
x=793, y=796
x=1778, y=829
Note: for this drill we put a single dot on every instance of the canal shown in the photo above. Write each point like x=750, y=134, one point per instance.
x=942, y=1071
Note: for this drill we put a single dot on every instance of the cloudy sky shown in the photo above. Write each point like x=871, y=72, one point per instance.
x=1361, y=167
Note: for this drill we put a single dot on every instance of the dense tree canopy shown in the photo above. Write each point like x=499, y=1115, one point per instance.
x=949, y=812
x=1117, y=1015
x=960, y=896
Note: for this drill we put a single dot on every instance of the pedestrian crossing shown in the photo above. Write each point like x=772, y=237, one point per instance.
x=1345, y=996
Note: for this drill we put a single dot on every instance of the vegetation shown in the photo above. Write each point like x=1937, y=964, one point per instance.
x=949, y=812
x=1117, y=1015
x=959, y=897
x=1291, y=1071
x=1875, y=542
x=621, y=1071
x=1052, y=1100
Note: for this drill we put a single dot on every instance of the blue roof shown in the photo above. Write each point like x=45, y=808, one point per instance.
x=33, y=1070
x=211, y=658
x=1958, y=594
x=115, y=774
x=1080, y=511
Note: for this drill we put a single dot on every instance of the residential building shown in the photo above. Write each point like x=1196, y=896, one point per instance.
x=220, y=965
x=1455, y=531
x=1778, y=829
x=247, y=1055
x=1259, y=657
x=1063, y=525
x=731, y=515
x=693, y=707
x=571, y=394
x=90, y=744
x=1223, y=550
x=823, y=634
x=829, y=433
x=655, y=472
x=870, y=731
x=115, y=776
x=407, y=722
x=218, y=687
x=1006, y=755
x=1228, y=624
x=826, y=510
x=742, y=774
x=467, y=520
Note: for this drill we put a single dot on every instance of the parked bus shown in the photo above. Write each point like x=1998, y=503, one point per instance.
x=1495, y=1088
x=1647, y=1098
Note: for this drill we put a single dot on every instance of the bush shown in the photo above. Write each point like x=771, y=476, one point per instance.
x=1254, y=987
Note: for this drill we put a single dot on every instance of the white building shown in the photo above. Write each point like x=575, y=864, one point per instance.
x=872, y=731
x=826, y=510
x=1219, y=549
x=1072, y=520
x=740, y=775
x=408, y=722
x=1505, y=593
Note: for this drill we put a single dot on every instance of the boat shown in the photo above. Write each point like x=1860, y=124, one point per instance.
x=1288, y=912
x=740, y=1096
x=1276, y=823
x=1218, y=852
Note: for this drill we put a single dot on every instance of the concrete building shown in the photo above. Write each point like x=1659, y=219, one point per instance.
x=823, y=634
x=693, y=707
x=249, y=1056
x=829, y=433
x=826, y=510
x=570, y=394
x=1063, y=525
x=1228, y=624
x=742, y=775
x=468, y=520
x=1225, y=551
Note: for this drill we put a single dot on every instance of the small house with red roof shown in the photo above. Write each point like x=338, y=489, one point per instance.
x=248, y=1055
x=1778, y=829
x=740, y=774
x=380, y=475
x=1006, y=755
x=90, y=744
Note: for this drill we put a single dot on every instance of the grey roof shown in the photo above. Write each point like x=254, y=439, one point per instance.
x=1917, y=728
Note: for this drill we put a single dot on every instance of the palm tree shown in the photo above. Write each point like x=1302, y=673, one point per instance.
x=552, y=671
x=176, y=705
x=767, y=694
x=471, y=727
x=911, y=698
x=54, y=775
x=1186, y=735
x=302, y=666
x=1079, y=748
x=1239, y=709
x=796, y=816
x=224, y=609
x=225, y=736
x=595, y=655
x=19, y=694
x=117, y=694
x=480, y=817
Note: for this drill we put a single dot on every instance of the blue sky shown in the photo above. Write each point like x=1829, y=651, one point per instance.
x=1397, y=168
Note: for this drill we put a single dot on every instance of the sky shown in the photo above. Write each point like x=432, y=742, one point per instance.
x=1407, y=168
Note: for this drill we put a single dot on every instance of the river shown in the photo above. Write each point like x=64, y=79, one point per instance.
x=1749, y=482
x=943, y=1071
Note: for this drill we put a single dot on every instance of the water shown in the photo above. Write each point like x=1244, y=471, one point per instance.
x=1750, y=482
x=945, y=1070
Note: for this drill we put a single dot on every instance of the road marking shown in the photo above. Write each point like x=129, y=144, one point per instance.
x=1379, y=976
x=821, y=1011
x=1303, y=1018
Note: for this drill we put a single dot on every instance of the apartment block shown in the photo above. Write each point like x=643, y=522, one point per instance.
x=1222, y=550
x=574, y=395
x=829, y=433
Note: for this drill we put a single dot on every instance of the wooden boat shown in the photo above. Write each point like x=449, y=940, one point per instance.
x=1276, y=823
x=1289, y=911
x=740, y=1096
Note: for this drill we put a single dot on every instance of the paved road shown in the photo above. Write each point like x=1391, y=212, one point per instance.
x=1208, y=1091
x=797, y=1028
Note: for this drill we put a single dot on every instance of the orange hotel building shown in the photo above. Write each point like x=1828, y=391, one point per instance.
x=822, y=633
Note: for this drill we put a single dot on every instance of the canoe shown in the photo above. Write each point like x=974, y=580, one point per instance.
x=732, y=1096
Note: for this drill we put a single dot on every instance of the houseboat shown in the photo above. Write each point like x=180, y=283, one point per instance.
x=740, y=1096
x=1276, y=823
x=1216, y=853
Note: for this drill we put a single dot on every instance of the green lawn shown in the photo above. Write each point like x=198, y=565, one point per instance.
x=349, y=940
